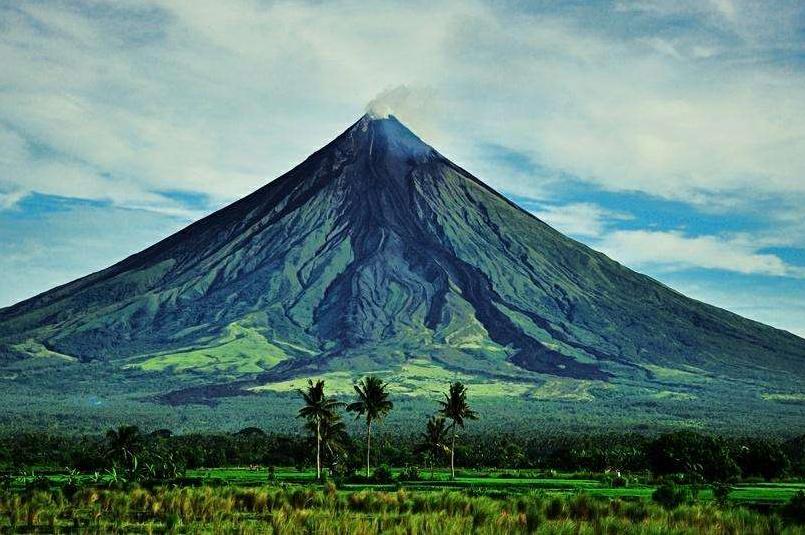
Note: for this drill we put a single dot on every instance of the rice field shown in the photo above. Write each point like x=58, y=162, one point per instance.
x=514, y=482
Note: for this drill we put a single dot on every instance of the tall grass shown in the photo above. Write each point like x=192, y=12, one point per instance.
x=298, y=509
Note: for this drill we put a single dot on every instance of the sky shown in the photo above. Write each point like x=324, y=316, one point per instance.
x=669, y=135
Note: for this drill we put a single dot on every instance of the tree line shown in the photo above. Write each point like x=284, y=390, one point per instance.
x=327, y=443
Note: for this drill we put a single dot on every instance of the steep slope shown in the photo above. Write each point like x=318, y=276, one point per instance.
x=373, y=253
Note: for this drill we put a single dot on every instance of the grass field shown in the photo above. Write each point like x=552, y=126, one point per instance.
x=505, y=482
x=248, y=500
x=508, y=482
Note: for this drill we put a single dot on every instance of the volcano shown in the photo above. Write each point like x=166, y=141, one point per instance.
x=379, y=255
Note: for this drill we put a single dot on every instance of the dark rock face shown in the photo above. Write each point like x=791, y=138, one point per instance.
x=377, y=249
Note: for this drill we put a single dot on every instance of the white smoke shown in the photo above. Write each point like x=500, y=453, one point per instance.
x=403, y=102
x=415, y=107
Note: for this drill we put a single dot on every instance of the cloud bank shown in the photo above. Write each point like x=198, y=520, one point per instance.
x=122, y=101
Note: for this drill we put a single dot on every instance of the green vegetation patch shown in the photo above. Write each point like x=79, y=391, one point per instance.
x=32, y=348
x=784, y=396
x=416, y=377
x=673, y=395
x=689, y=374
x=565, y=389
x=243, y=350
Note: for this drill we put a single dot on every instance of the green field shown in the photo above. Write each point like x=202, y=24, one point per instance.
x=289, y=501
x=476, y=481
x=500, y=481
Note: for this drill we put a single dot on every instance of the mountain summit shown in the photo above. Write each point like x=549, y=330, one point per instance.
x=377, y=254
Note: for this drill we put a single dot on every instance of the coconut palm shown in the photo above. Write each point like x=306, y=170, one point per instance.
x=373, y=403
x=433, y=439
x=318, y=409
x=334, y=439
x=456, y=409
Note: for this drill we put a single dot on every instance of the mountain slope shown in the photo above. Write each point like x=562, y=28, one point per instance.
x=374, y=253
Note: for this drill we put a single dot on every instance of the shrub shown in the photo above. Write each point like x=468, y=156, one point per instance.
x=794, y=510
x=409, y=473
x=38, y=483
x=382, y=474
x=671, y=496
x=721, y=493
x=619, y=482
x=555, y=508
x=582, y=507
x=636, y=511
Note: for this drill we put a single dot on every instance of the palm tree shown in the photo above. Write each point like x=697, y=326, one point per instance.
x=318, y=409
x=334, y=439
x=433, y=440
x=456, y=409
x=373, y=402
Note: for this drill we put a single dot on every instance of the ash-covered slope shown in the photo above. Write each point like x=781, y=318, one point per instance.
x=374, y=251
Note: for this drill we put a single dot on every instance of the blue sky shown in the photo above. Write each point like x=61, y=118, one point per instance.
x=670, y=135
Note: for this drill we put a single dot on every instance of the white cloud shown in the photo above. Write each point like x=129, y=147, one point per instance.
x=223, y=97
x=579, y=219
x=11, y=198
x=672, y=250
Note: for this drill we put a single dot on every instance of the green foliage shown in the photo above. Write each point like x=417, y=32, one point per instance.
x=373, y=403
x=124, y=445
x=323, y=421
x=295, y=509
x=670, y=495
x=409, y=473
x=619, y=481
x=761, y=457
x=383, y=474
x=455, y=408
x=698, y=457
x=373, y=399
x=433, y=445
x=794, y=510
x=721, y=493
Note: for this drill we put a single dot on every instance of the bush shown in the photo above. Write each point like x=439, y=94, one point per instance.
x=671, y=496
x=619, y=482
x=794, y=510
x=555, y=509
x=382, y=474
x=721, y=493
x=409, y=473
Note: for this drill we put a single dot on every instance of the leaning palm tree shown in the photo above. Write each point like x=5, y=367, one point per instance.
x=456, y=409
x=373, y=402
x=433, y=438
x=334, y=439
x=317, y=410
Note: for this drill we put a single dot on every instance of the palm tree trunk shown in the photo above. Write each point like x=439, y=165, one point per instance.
x=368, y=445
x=318, y=450
x=453, y=454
